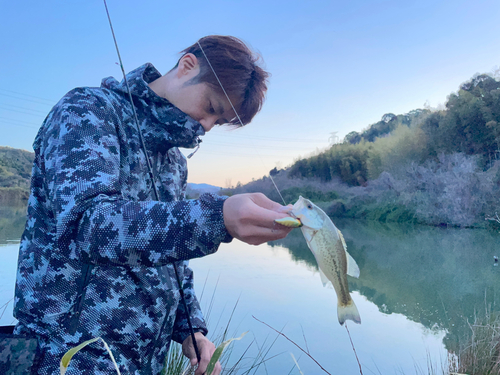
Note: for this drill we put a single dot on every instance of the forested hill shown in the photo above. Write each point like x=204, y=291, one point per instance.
x=15, y=173
x=469, y=124
x=438, y=167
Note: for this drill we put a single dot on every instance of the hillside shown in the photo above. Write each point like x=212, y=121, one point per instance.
x=438, y=167
x=15, y=173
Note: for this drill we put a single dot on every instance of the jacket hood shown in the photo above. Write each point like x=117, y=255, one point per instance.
x=163, y=125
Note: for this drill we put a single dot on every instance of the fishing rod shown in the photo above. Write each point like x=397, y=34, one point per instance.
x=153, y=180
x=153, y=177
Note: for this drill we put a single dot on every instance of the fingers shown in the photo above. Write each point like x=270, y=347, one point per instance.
x=205, y=356
x=285, y=209
x=206, y=349
x=251, y=218
x=202, y=368
x=262, y=211
x=261, y=235
x=264, y=202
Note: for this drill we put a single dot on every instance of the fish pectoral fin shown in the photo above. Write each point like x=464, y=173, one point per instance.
x=309, y=235
x=323, y=277
x=352, y=267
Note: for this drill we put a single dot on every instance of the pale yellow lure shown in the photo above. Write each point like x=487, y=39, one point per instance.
x=289, y=222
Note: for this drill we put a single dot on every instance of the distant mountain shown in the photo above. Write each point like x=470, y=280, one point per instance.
x=202, y=188
x=15, y=174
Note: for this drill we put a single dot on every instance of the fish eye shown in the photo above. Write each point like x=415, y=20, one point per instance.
x=309, y=206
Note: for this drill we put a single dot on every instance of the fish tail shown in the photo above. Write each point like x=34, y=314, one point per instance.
x=349, y=311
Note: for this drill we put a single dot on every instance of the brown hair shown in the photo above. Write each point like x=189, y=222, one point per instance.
x=236, y=66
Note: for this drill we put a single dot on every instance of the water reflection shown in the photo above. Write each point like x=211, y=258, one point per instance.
x=12, y=220
x=434, y=276
x=264, y=282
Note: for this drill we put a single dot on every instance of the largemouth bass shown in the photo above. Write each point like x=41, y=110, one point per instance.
x=328, y=246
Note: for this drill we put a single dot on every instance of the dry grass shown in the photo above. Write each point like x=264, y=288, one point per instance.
x=479, y=353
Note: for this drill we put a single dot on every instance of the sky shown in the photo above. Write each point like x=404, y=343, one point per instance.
x=336, y=66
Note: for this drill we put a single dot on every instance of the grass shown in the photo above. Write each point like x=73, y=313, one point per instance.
x=177, y=364
x=479, y=353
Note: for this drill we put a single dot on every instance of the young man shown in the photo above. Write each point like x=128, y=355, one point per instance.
x=98, y=253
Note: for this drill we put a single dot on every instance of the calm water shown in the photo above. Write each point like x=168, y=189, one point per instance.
x=418, y=287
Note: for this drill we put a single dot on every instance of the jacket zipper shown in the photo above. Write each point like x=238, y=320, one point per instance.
x=82, y=290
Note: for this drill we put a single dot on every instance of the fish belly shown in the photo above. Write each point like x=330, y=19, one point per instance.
x=331, y=257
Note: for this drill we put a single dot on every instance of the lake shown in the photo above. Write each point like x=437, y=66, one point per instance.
x=418, y=287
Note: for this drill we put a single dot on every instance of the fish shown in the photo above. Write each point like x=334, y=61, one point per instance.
x=327, y=244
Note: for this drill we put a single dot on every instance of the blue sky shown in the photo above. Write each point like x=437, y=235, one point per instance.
x=336, y=66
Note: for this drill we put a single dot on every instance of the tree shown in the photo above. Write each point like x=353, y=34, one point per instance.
x=352, y=138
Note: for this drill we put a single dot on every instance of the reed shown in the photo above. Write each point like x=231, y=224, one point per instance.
x=479, y=352
x=177, y=364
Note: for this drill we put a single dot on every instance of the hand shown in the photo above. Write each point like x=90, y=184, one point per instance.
x=250, y=218
x=206, y=348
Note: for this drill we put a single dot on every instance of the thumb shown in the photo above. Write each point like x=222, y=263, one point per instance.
x=193, y=362
x=285, y=209
x=264, y=202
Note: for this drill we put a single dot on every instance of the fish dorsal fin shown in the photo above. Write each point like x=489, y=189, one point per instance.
x=352, y=267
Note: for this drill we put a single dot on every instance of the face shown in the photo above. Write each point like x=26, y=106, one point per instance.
x=204, y=104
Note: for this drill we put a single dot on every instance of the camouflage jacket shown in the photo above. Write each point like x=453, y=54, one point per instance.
x=98, y=253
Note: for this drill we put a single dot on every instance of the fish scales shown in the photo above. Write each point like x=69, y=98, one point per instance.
x=328, y=246
x=333, y=262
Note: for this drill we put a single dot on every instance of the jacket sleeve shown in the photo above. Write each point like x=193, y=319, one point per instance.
x=81, y=151
x=181, y=327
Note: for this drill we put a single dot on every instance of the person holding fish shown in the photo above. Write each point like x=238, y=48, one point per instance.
x=109, y=232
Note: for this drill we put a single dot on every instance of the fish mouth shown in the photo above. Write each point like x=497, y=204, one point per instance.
x=297, y=218
x=306, y=222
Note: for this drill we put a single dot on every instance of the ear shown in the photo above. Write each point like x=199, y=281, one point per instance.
x=188, y=64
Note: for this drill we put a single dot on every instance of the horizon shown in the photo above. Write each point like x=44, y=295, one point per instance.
x=335, y=67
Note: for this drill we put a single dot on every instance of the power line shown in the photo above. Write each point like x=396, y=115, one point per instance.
x=273, y=138
x=24, y=126
x=25, y=113
x=252, y=146
x=239, y=154
x=29, y=100
x=31, y=96
x=28, y=109
x=25, y=122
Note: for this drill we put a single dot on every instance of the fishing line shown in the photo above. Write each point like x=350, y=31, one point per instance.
x=153, y=180
x=238, y=116
x=271, y=177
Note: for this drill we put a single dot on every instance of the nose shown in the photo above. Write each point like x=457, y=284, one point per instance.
x=208, y=122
